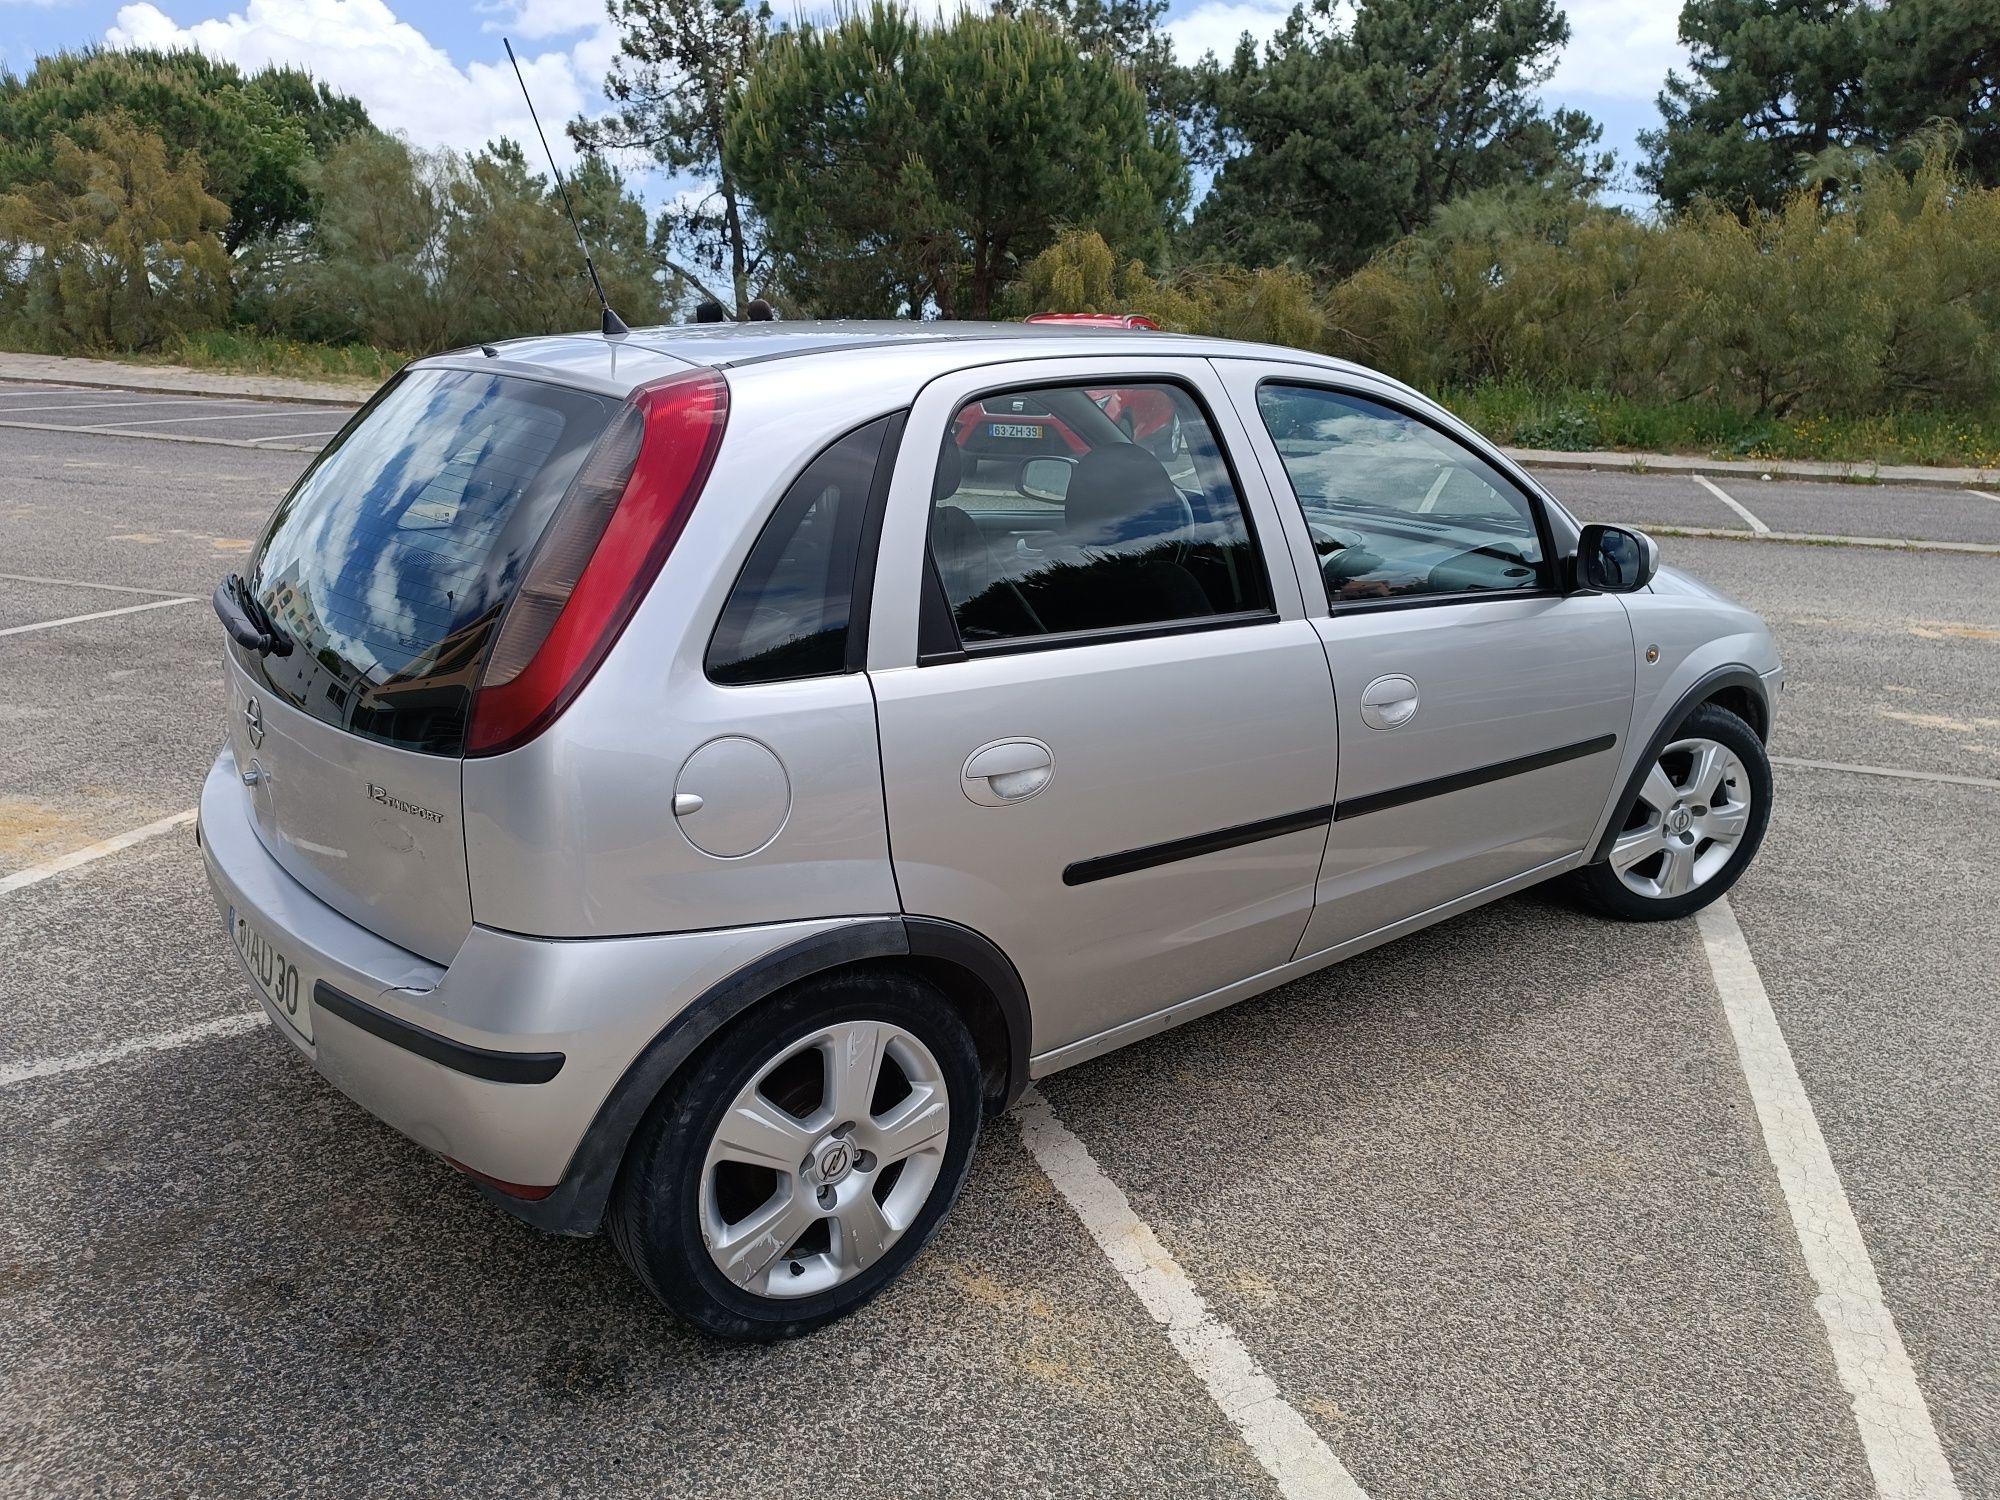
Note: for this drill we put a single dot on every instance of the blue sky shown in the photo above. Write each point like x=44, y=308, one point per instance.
x=436, y=72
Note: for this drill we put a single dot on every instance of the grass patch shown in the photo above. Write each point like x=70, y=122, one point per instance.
x=1583, y=421
x=229, y=351
x=242, y=353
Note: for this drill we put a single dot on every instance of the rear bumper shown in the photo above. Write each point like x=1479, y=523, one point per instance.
x=500, y=1060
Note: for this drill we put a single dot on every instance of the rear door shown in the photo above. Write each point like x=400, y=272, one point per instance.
x=1107, y=733
x=1482, y=710
x=386, y=569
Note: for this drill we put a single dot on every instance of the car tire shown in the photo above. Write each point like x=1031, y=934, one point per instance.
x=1695, y=823
x=690, y=1213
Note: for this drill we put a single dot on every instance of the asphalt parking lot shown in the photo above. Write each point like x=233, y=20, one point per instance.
x=1493, y=1209
x=289, y=426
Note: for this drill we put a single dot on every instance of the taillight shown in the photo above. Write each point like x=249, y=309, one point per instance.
x=609, y=538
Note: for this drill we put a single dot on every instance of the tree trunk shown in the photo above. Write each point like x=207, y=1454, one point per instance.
x=739, y=273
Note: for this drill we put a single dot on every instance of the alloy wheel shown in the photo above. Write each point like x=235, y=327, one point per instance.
x=824, y=1159
x=1690, y=816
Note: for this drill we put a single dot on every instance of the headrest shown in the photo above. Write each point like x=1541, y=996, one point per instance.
x=951, y=467
x=1120, y=493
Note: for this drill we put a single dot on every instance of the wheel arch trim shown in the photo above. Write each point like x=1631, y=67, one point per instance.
x=577, y=1205
x=1706, y=687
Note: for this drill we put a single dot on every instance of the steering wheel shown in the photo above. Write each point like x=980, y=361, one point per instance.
x=1327, y=538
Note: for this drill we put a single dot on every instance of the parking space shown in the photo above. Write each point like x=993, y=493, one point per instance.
x=288, y=426
x=1890, y=661
x=1490, y=1207
x=1876, y=511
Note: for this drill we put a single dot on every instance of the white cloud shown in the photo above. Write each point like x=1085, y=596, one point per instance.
x=1618, y=49
x=540, y=18
x=407, y=82
x=1215, y=25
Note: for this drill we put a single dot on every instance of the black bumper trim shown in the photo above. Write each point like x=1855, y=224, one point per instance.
x=460, y=1057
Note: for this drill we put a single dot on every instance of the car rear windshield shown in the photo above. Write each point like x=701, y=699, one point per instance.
x=392, y=558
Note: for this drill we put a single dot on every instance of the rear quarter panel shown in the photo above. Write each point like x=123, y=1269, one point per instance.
x=574, y=834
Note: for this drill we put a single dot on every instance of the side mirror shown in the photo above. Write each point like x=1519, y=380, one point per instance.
x=1046, y=479
x=1615, y=559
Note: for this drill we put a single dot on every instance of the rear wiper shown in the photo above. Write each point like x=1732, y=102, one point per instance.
x=246, y=620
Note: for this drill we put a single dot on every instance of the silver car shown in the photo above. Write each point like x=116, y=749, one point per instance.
x=692, y=780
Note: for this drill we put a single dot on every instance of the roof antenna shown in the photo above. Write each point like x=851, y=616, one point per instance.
x=613, y=324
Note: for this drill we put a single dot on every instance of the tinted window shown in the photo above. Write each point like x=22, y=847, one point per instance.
x=1395, y=507
x=788, y=614
x=1107, y=507
x=390, y=561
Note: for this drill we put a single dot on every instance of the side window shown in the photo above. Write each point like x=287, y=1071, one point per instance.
x=787, y=616
x=1395, y=507
x=1089, y=508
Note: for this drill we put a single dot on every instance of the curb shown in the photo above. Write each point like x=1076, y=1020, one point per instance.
x=242, y=387
x=1914, y=475
x=1824, y=539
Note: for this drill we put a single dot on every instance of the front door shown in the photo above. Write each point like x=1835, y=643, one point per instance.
x=1109, y=744
x=1482, y=711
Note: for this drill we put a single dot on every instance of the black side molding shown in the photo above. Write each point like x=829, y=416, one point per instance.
x=1104, y=866
x=1458, y=781
x=460, y=1057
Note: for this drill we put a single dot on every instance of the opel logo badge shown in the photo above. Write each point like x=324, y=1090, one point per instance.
x=1679, y=820
x=835, y=1161
x=253, y=719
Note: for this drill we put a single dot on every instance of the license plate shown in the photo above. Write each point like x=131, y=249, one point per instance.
x=1029, y=430
x=275, y=972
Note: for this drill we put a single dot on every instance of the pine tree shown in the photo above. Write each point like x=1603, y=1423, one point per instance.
x=1779, y=90
x=680, y=64
x=1339, y=138
x=901, y=165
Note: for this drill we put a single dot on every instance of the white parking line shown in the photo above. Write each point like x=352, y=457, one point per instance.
x=289, y=436
x=1290, y=1451
x=1723, y=495
x=35, y=874
x=148, y=401
x=79, y=583
x=145, y=437
x=234, y=416
x=1892, y=771
x=1894, y=1422
x=1984, y=496
x=138, y=1046
x=102, y=614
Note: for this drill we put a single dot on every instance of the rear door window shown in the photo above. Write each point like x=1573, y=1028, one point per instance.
x=392, y=558
x=1065, y=511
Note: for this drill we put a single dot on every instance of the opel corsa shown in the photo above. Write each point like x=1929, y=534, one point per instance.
x=692, y=780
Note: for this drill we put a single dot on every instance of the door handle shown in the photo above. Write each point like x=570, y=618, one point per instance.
x=1389, y=702
x=1007, y=771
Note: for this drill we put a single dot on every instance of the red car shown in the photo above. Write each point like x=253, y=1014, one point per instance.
x=1146, y=416
x=1014, y=427
x=1096, y=320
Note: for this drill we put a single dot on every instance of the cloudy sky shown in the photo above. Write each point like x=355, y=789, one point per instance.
x=435, y=70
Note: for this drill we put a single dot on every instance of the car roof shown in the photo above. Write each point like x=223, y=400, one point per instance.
x=647, y=354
